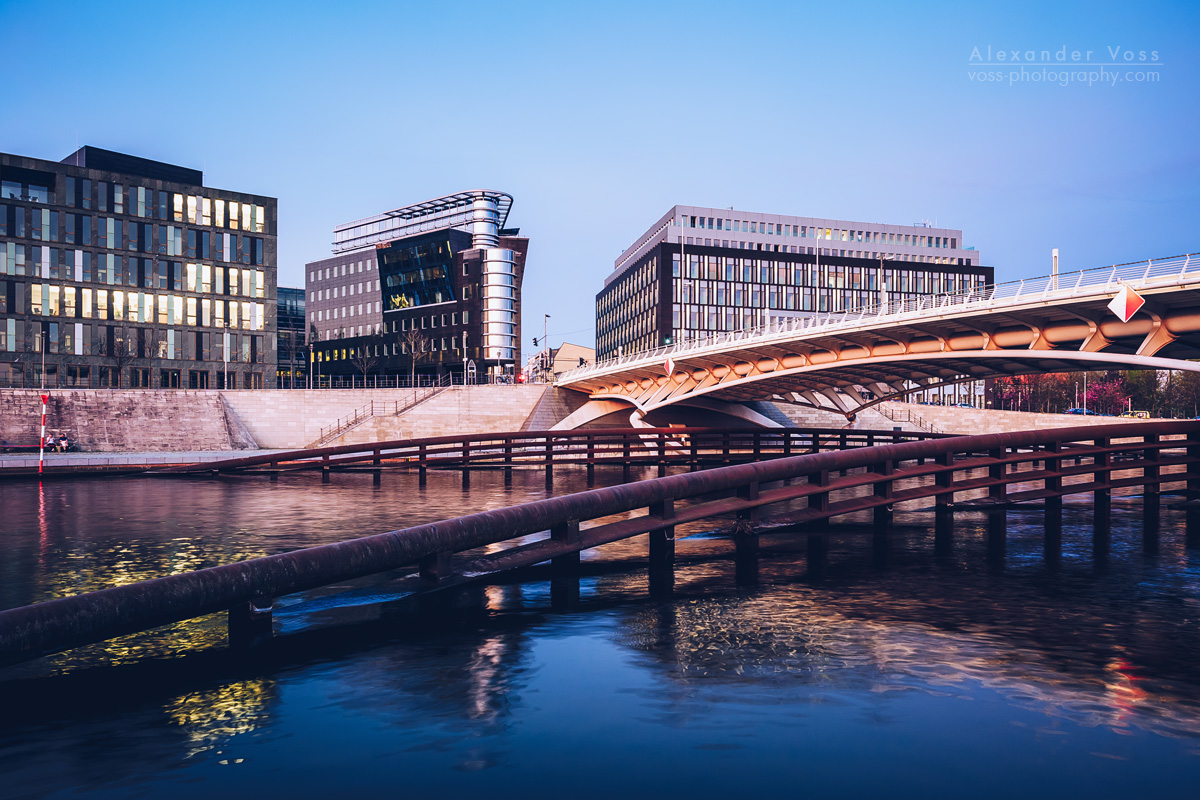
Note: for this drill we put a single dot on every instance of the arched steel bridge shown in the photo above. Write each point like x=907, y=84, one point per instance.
x=851, y=360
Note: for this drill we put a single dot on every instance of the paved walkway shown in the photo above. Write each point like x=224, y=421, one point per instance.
x=84, y=462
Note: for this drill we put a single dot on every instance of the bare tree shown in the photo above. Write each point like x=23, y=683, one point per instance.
x=417, y=345
x=364, y=360
x=121, y=351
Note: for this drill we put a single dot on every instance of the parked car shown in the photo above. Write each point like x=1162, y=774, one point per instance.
x=1135, y=414
x=1082, y=412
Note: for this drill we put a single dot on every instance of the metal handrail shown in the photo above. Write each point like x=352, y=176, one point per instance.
x=1152, y=272
x=63, y=623
x=361, y=415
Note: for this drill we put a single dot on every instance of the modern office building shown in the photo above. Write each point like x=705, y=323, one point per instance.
x=438, y=283
x=119, y=271
x=740, y=269
x=292, y=351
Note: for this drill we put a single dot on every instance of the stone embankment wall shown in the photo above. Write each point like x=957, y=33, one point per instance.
x=978, y=420
x=113, y=421
x=150, y=420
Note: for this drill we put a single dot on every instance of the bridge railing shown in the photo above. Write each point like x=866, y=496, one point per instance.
x=1056, y=463
x=1067, y=284
x=637, y=446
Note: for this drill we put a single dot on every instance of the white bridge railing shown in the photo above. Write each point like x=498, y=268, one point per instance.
x=1098, y=281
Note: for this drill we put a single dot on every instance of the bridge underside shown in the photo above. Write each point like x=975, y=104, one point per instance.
x=859, y=366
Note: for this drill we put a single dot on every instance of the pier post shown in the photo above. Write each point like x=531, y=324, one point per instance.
x=997, y=535
x=818, y=552
x=662, y=542
x=1193, y=489
x=1102, y=477
x=997, y=471
x=745, y=558
x=436, y=567
x=591, y=460
x=819, y=501
x=251, y=623
x=943, y=531
x=568, y=533
x=1053, y=483
x=422, y=464
x=883, y=490
x=748, y=517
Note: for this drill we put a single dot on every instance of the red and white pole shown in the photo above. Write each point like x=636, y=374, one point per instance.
x=42, y=440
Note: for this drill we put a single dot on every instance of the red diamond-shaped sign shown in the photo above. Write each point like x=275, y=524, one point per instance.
x=1126, y=303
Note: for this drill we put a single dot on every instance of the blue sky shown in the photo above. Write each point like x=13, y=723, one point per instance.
x=599, y=117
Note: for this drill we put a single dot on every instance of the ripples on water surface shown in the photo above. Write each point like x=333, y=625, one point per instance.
x=905, y=673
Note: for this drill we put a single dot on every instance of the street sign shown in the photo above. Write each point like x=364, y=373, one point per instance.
x=1126, y=303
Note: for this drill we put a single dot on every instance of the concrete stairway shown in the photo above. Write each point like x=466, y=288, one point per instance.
x=457, y=410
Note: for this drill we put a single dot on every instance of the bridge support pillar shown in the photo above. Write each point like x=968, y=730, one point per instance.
x=324, y=474
x=662, y=542
x=466, y=477
x=376, y=477
x=568, y=564
x=251, y=623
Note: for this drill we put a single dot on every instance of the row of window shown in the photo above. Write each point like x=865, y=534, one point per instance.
x=84, y=376
x=115, y=234
x=625, y=315
x=342, y=270
x=444, y=344
x=345, y=290
x=85, y=303
x=816, y=232
x=85, y=267
x=125, y=344
x=764, y=271
x=829, y=251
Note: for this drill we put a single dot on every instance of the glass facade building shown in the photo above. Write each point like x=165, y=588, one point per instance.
x=436, y=283
x=292, y=351
x=118, y=271
x=702, y=270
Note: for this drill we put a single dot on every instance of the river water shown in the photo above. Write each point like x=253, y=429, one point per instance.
x=910, y=672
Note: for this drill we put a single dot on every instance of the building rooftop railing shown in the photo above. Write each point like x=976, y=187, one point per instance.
x=1099, y=280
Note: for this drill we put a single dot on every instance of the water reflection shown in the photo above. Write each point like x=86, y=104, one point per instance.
x=1097, y=633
